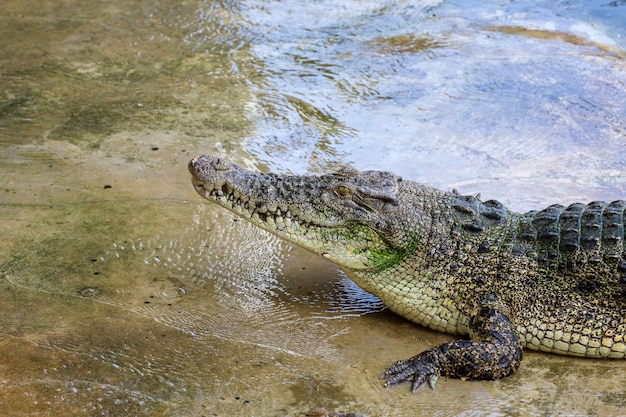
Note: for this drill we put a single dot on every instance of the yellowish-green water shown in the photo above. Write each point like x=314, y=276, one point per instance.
x=123, y=293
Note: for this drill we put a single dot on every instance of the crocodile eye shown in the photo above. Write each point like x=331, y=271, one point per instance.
x=343, y=191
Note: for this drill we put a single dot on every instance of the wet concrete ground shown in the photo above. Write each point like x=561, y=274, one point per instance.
x=123, y=293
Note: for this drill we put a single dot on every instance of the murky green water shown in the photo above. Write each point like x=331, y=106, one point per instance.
x=123, y=294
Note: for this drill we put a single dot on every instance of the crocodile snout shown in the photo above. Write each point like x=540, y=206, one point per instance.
x=202, y=166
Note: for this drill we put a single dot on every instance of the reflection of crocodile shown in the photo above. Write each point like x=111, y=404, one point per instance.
x=553, y=280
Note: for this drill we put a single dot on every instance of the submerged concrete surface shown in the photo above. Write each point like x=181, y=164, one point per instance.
x=123, y=293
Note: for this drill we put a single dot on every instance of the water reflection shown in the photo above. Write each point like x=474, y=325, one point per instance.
x=508, y=91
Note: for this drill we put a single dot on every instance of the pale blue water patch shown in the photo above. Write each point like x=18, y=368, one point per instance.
x=609, y=16
x=511, y=98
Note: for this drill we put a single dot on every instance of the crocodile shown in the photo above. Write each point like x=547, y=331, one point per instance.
x=552, y=280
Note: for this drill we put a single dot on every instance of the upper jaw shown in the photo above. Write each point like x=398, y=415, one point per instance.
x=254, y=196
x=307, y=211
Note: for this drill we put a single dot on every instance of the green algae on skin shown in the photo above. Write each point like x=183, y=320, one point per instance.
x=390, y=256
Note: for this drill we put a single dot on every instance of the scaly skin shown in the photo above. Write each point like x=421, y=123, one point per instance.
x=553, y=280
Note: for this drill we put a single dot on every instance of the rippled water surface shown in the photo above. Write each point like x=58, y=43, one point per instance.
x=123, y=293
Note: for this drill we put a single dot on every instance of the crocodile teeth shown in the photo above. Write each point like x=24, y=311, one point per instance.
x=275, y=215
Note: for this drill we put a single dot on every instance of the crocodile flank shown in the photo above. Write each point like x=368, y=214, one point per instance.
x=552, y=280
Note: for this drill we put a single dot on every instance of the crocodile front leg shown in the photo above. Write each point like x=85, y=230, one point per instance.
x=494, y=352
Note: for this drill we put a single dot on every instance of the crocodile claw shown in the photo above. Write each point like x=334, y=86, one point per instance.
x=416, y=370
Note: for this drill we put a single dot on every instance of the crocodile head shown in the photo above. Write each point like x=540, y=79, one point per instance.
x=355, y=219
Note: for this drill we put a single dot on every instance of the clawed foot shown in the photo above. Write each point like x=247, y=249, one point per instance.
x=495, y=354
x=418, y=369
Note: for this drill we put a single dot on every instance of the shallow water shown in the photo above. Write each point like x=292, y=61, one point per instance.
x=123, y=293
